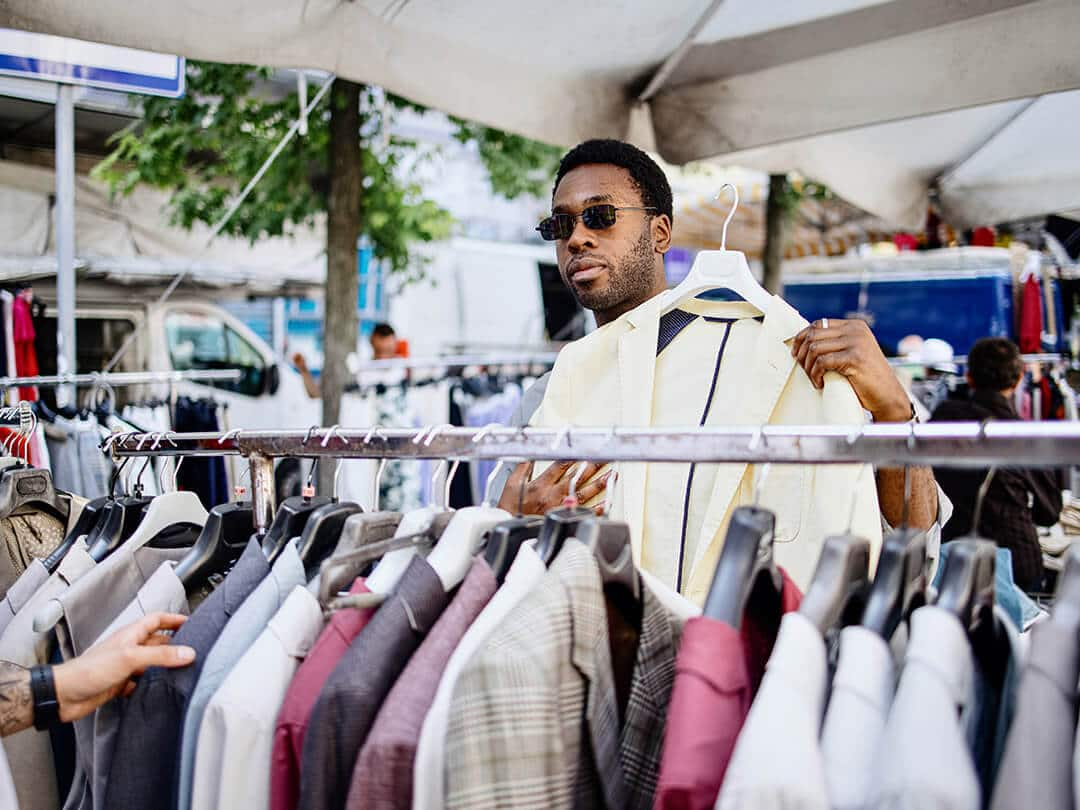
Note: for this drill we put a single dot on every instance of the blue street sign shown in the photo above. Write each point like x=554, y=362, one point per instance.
x=73, y=61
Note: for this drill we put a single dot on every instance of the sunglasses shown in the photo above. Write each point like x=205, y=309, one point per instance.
x=595, y=217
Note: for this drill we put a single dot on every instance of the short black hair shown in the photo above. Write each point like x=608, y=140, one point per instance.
x=647, y=176
x=994, y=364
x=383, y=330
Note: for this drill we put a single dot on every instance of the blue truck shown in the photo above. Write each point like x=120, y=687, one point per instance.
x=956, y=294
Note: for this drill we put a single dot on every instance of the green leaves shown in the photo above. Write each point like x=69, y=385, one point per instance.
x=206, y=146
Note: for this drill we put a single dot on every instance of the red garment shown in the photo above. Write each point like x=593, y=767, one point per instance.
x=26, y=364
x=292, y=721
x=983, y=237
x=905, y=241
x=717, y=674
x=1031, y=317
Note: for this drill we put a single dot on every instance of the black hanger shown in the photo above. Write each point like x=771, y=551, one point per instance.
x=838, y=590
x=505, y=540
x=967, y=583
x=360, y=531
x=560, y=524
x=609, y=541
x=289, y=522
x=219, y=544
x=746, y=559
x=322, y=532
x=899, y=585
x=88, y=518
x=119, y=520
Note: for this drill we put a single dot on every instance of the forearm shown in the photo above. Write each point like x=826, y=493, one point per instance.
x=923, y=506
x=16, y=700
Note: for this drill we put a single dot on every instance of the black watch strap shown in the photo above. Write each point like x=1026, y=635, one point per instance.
x=43, y=690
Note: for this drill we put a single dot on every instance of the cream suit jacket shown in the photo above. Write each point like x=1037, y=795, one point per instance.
x=607, y=378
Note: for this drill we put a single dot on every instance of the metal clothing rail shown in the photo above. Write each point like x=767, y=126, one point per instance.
x=453, y=360
x=962, y=360
x=957, y=444
x=121, y=378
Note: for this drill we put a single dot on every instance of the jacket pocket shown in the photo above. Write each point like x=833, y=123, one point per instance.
x=784, y=492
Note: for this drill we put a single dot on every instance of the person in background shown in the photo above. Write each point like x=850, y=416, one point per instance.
x=49, y=695
x=1017, y=499
x=384, y=346
x=936, y=357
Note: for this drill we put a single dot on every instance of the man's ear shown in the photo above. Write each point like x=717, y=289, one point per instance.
x=661, y=233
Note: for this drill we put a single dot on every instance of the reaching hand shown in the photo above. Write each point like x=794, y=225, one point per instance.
x=550, y=488
x=107, y=669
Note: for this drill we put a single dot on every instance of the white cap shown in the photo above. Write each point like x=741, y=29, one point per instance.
x=938, y=355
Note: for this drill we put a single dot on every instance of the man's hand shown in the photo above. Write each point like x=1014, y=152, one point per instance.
x=106, y=669
x=849, y=348
x=550, y=488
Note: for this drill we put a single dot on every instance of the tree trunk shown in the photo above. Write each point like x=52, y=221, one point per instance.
x=340, y=325
x=774, y=235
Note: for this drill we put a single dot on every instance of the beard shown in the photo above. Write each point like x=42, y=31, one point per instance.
x=628, y=283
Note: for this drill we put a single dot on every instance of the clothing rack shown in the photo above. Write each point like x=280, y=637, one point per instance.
x=955, y=444
x=1026, y=359
x=453, y=360
x=20, y=416
x=122, y=378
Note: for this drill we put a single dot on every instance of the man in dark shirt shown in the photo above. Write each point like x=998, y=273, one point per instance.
x=1017, y=499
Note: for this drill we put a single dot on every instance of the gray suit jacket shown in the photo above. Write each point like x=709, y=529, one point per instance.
x=1037, y=768
x=534, y=720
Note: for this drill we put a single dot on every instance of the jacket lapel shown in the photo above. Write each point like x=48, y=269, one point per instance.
x=766, y=373
x=637, y=372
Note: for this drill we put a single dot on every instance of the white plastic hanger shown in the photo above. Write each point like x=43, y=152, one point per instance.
x=389, y=570
x=720, y=269
x=464, y=537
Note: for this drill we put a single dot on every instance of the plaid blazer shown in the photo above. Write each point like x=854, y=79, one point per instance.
x=534, y=720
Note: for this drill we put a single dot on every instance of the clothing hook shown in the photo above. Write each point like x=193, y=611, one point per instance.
x=561, y=436
x=378, y=481
x=983, y=489
x=176, y=473
x=422, y=434
x=731, y=213
x=449, y=482
x=571, y=496
x=435, y=431
x=330, y=434
x=609, y=498
x=491, y=482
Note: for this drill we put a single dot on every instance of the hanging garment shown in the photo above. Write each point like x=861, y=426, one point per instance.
x=1031, y=317
x=399, y=488
x=526, y=570
x=7, y=301
x=757, y=382
x=355, y=690
x=238, y=635
x=1037, y=768
x=145, y=761
x=542, y=688
x=383, y=775
x=29, y=752
x=924, y=760
x=717, y=674
x=21, y=592
x=862, y=692
x=1006, y=517
x=236, y=738
x=777, y=762
x=295, y=715
x=26, y=364
x=95, y=734
x=205, y=477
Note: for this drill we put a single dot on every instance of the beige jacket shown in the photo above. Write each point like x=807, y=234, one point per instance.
x=607, y=378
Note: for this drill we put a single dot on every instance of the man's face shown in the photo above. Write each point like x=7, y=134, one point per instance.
x=384, y=347
x=613, y=269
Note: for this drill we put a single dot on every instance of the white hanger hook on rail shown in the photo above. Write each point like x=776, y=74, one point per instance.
x=731, y=213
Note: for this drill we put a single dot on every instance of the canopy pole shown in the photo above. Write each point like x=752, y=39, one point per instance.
x=65, y=239
x=656, y=83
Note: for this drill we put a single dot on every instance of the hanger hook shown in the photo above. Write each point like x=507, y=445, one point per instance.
x=330, y=434
x=239, y=490
x=309, y=490
x=449, y=482
x=230, y=434
x=757, y=439
x=307, y=436
x=176, y=473
x=731, y=213
x=499, y=465
x=609, y=498
x=422, y=434
x=138, y=478
x=563, y=434
x=435, y=431
x=439, y=468
x=116, y=476
x=378, y=483
x=571, y=496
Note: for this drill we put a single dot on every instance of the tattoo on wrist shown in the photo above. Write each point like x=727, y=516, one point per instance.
x=16, y=700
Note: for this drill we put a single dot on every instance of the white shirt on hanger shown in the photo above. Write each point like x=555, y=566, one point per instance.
x=924, y=759
x=862, y=692
x=777, y=762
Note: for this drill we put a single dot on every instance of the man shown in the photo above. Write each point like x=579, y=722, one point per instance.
x=84, y=683
x=384, y=346
x=612, y=218
x=994, y=370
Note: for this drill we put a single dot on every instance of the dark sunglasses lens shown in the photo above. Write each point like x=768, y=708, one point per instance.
x=598, y=217
x=559, y=226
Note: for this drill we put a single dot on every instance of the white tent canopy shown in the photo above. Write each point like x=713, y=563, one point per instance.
x=691, y=78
